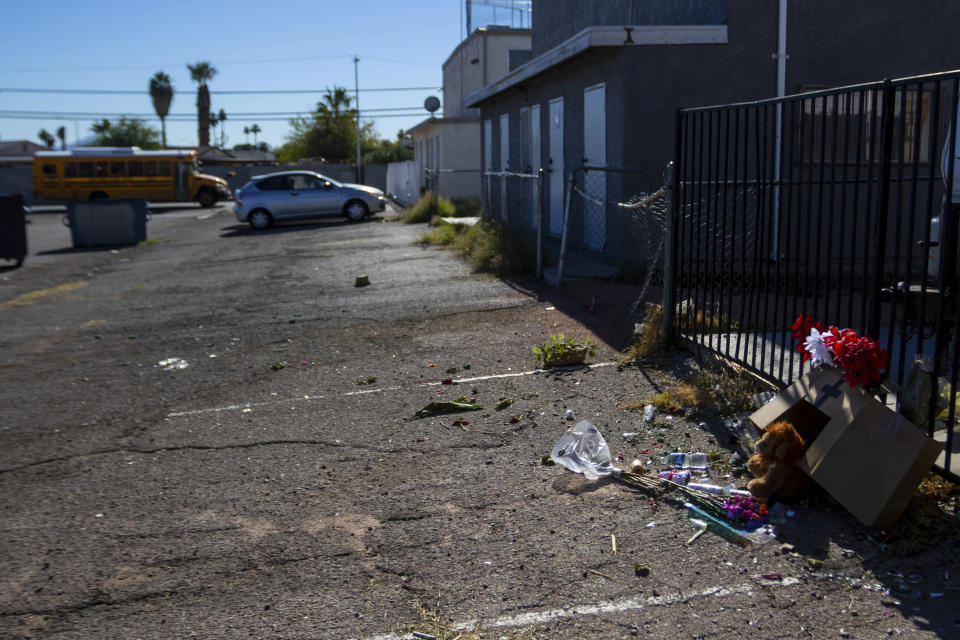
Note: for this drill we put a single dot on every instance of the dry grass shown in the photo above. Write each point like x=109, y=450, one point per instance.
x=651, y=340
x=705, y=322
x=723, y=391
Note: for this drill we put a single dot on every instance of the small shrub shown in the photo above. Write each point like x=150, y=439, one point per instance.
x=443, y=236
x=424, y=209
x=485, y=245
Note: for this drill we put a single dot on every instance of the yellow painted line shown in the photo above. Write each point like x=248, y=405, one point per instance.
x=36, y=296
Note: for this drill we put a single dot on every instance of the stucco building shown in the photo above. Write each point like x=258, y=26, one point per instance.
x=452, y=143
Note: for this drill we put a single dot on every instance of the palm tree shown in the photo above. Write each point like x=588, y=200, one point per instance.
x=222, y=117
x=101, y=127
x=161, y=92
x=255, y=129
x=62, y=134
x=333, y=101
x=47, y=138
x=201, y=73
x=246, y=132
x=213, y=125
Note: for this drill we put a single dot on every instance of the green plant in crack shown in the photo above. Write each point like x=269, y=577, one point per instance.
x=559, y=350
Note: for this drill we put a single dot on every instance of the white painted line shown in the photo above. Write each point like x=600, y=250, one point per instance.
x=613, y=606
x=235, y=407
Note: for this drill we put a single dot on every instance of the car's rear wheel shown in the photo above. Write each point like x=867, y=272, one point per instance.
x=207, y=197
x=356, y=210
x=260, y=219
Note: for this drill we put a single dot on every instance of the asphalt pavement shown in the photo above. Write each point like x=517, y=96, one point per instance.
x=212, y=434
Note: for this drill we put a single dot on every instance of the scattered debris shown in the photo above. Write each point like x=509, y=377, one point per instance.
x=702, y=529
x=603, y=575
x=279, y=364
x=366, y=380
x=362, y=281
x=641, y=570
x=172, y=364
x=460, y=404
x=504, y=403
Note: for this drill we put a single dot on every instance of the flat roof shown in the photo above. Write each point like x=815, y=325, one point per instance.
x=104, y=152
x=602, y=36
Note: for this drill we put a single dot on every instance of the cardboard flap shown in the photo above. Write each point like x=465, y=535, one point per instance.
x=822, y=387
x=870, y=459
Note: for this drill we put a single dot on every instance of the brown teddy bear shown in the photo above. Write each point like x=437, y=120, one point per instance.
x=773, y=464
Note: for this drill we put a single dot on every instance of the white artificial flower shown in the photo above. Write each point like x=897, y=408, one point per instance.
x=819, y=353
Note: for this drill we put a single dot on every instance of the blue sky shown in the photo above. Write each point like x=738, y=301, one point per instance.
x=111, y=45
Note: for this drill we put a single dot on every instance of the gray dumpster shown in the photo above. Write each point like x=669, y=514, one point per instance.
x=104, y=223
x=13, y=229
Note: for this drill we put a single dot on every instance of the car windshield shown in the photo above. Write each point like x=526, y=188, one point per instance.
x=335, y=183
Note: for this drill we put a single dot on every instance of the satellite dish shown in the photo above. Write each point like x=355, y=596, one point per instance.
x=431, y=104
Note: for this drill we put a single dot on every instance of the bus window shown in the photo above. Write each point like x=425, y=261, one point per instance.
x=150, y=169
x=116, y=169
x=70, y=170
x=86, y=169
x=49, y=169
x=135, y=169
x=101, y=169
x=163, y=168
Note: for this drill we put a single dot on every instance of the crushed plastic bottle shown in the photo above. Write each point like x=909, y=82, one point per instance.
x=648, y=412
x=729, y=490
x=685, y=460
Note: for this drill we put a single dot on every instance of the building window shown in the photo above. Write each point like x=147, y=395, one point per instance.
x=50, y=169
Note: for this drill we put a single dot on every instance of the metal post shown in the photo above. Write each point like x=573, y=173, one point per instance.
x=668, y=266
x=880, y=240
x=539, y=224
x=435, y=177
x=356, y=93
x=566, y=218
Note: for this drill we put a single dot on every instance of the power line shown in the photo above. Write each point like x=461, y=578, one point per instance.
x=119, y=92
x=99, y=114
x=82, y=118
x=219, y=63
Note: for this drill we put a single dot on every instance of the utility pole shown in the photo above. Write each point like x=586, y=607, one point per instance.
x=356, y=93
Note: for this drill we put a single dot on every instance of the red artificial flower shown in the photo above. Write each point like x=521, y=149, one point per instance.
x=801, y=329
x=860, y=357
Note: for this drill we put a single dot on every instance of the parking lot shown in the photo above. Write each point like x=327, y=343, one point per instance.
x=212, y=434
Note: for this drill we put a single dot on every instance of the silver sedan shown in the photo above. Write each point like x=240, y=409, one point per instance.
x=294, y=195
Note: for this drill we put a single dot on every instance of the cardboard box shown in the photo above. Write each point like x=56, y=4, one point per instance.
x=868, y=458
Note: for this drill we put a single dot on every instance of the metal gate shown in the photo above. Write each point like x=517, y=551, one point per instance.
x=831, y=203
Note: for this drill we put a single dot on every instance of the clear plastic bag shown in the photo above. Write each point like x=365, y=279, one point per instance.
x=582, y=449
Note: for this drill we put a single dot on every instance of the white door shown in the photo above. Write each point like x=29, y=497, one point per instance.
x=504, y=161
x=487, y=161
x=595, y=155
x=534, y=146
x=555, y=167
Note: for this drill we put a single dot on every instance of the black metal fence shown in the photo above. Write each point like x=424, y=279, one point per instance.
x=831, y=203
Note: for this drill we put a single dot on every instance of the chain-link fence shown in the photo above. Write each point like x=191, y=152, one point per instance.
x=614, y=224
x=516, y=200
x=451, y=183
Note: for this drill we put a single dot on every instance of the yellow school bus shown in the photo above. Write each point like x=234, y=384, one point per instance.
x=93, y=173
